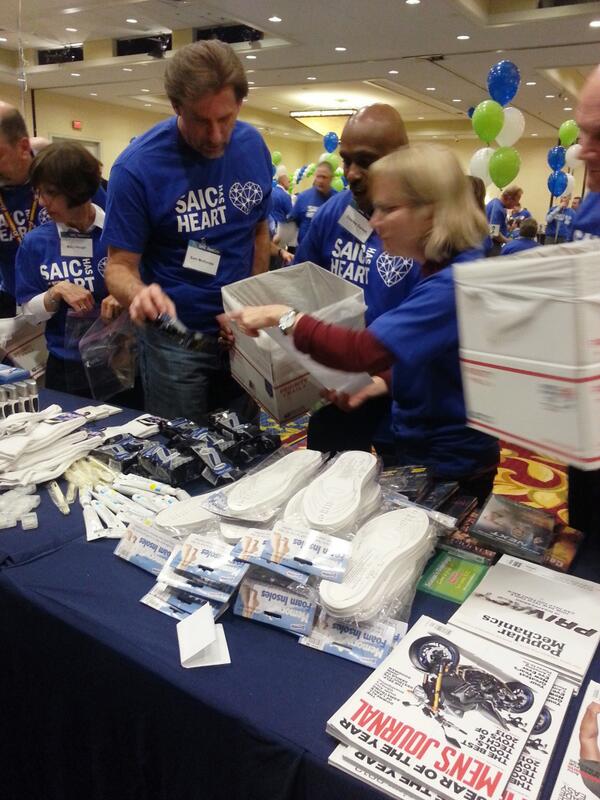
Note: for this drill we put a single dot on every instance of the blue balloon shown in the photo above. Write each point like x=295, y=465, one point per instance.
x=330, y=141
x=557, y=183
x=471, y=111
x=556, y=157
x=503, y=81
x=274, y=182
x=274, y=169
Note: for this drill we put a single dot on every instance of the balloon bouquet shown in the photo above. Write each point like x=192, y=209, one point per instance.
x=567, y=152
x=504, y=125
x=330, y=143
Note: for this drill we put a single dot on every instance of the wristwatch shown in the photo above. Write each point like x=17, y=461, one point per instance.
x=286, y=321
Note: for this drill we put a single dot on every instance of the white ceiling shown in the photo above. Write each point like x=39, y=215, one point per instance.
x=553, y=48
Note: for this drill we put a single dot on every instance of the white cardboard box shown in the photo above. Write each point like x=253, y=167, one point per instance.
x=542, y=305
x=545, y=407
x=273, y=378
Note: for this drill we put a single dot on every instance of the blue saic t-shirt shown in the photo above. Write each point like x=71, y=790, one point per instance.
x=518, y=245
x=496, y=215
x=18, y=201
x=586, y=224
x=563, y=220
x=306, y=206
x=428, y=410
x=40, y=265
x=163, y=194
x=281, y=205
x=385, y=279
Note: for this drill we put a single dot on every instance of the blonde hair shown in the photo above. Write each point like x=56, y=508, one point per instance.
x=430, y=177
x=203, y=67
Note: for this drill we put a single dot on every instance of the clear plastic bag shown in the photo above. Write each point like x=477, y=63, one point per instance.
x=108, y=352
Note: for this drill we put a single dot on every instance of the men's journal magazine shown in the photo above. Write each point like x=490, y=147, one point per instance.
x=544, y=614
x=439, y=713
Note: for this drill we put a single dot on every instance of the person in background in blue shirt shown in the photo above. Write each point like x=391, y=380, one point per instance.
x=341, y=240
x=525, y=241
x=308, y=203
x=423, y=207
x=281, y=208
x=516, y=217
x=60, y=265
x=496, y=212
x=559, y=222
x=187, y=212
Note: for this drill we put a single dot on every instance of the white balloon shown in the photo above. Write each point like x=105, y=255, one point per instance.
x=512, y=130
x=479, y=164
x=572, y=157
x=570, y=186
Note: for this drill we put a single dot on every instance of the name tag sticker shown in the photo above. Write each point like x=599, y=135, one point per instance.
x=201, y=258
x=354, y=222
x=494, y=230
x=76, y=244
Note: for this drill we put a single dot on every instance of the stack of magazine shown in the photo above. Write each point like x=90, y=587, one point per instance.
x=444, y=717
x=542, y=614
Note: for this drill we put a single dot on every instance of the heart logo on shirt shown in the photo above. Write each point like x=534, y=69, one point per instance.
x=393, y=268
x=102, y=265
x=245, y=197
x=43, y=216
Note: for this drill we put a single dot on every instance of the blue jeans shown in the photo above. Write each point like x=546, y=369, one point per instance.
x=185, y=383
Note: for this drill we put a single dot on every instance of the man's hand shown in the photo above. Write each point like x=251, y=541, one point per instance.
x=252, y=319
x=76, y=297
x=588, y=734
x=377, y=388
x=110, y=308
x=226, y=334
x=149, y=303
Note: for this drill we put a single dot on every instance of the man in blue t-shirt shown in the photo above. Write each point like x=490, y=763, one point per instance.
x=342, y=240
x=559, y=222
x=187, y=212
x=281, y=202
x=496, y=213
x=308, y=203
x=526, y=239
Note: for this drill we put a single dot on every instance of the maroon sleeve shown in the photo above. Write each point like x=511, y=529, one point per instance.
x=341, y=348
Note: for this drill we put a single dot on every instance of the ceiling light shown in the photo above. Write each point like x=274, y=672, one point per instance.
x=252, y=58
x=127, y=69
x=145, y=90
x=430, y=88
x=534, y=134
x=341, y=49
x=275, y=19
x=93, y=94
x=148, y=105
x=550, y=96
x=393, y=72
x=324, y=112
x=3, y=39
x=286, y=133
x=244, y=100
x=250, y=83
x=457, y=100
x=530, y=83
x=568, y=108
x=71, y=30
x=76, y=74
x=420, y=117
x=499, y=51
x=274, y=108
x=248, y=71
x=412, y=2
x=311, y=78
x=131, y=21
x=595, y=23
x=463, y=37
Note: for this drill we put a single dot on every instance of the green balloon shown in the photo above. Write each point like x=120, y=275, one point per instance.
x=487, y=120
x=276, y=157
x=339, y=172
x=338, y=184
x=333, y=160
x=310, y=170
x=504, y=166
x=568, y=133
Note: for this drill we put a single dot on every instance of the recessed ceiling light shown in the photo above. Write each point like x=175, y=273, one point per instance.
x=534, y=134
x=244, y=100
x=550, y=96
x=248, y=71
x=341, y=49
x=250, y=83
x=456, y=100
x=311, y=78
x=568, y=108
x=595, y=23
x=71, y=30
x=93, y=94
x=131, y=21
x=76, y=74
x=252, y=58
x=127, y=69
x=412, y=2
x=463, y=37
x=499, y=51
x=3, y=39
x=530, y=83
x=253, y=87
x=145, y=90
x=420, y=117
x=431, y=88
x=275, y=19
x=274, y=108
x=21, y=80
x=148, y=105
x=393, y=72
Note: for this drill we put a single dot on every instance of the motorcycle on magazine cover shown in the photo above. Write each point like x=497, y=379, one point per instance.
x=451, y=688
